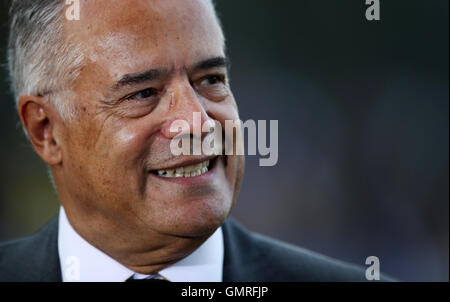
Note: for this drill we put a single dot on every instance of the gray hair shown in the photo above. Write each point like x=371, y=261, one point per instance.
x=41, y=62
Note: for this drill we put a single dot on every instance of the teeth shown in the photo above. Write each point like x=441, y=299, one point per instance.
x=187, y=171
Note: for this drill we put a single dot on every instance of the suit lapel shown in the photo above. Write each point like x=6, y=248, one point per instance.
x=44, y=263
x=241, y=259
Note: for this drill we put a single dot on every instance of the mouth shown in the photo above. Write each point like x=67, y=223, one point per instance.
x=186, y=171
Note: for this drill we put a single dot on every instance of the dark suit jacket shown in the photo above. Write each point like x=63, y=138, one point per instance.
x=248, y=257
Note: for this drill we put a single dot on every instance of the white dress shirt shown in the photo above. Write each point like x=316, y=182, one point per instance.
x=82, y=262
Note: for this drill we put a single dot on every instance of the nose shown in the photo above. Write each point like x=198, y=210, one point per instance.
x=186, y=111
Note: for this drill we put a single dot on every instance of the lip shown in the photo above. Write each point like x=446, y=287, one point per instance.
x=194, y=180
x=185, y=162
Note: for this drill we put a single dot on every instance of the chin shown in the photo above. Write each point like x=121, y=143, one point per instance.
x=201, y=221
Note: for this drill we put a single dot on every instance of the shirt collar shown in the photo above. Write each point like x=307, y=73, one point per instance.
x=81, y=261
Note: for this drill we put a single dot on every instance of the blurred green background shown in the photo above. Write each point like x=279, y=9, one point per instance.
x=363, y=113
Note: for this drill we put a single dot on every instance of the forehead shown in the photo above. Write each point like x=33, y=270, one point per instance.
x=130, y=35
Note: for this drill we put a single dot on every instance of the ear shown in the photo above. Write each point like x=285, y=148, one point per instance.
x=39, y=119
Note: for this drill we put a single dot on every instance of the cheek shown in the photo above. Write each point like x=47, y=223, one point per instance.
x=222, y=111
x=122, y=149
x=115, y=158
x=234, y=168
x=127, y=137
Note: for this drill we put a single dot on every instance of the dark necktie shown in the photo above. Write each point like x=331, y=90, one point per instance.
x=152, y=278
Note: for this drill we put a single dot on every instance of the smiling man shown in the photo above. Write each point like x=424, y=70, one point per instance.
x=97, y=98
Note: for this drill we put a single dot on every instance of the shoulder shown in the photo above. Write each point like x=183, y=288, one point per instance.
x=253, y=257
x=32, y=258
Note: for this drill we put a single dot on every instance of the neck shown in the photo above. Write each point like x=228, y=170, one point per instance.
x=139, y=249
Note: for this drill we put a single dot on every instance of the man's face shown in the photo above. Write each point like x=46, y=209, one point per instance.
x=148, y=63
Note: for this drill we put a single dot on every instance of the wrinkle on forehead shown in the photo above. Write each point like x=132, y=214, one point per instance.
x=144, y=20
x=138, y=33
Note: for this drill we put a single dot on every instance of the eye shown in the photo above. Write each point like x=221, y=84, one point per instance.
x=143, y=94
x=214, y=79
x=213, y=87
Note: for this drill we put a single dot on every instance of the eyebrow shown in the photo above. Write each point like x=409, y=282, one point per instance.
x=137, y=78
x=212, y=63
x=153, y=74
